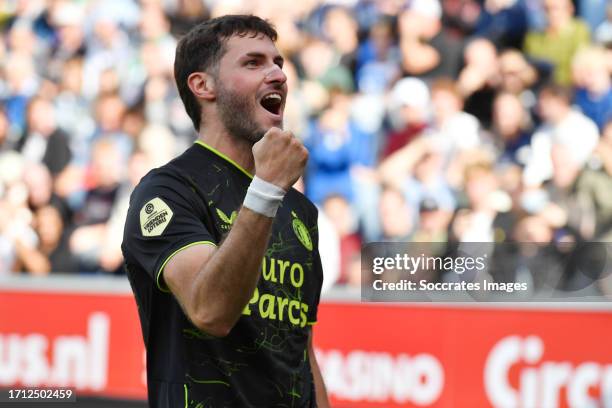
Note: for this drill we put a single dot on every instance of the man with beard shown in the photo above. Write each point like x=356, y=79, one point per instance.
x=221, y=252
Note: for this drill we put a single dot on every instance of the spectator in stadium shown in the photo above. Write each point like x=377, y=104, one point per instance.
x=512, y=128
x=479, y=79
x=44, y=142
x=110, y=110
x=396, y=216
x=73, y=111
x=593, y=93
x=344, y=220
x=158, y=96
x=422, y=34
x=418, y=170
x=410, y=110
x=554, y=47
x=380, y=46
x=87, y=238
x=433, y=222
x=455, y=130
x=582, y=197
x=317, y=60
x=21, y=82
x=460, y=17
x=158, y=143
x=18, y=239
x=134, y=121
x=518, y=77
x=155, y=27
x=67, y=20
x=52, y=254
x=340, y=27
x=538, y=258
x=562, y=124
x=107, y=47
x=504, y=22
x=187, y=13
x=487, y=216
x=39, y=182
x=22, y=40
x=336, y=145
x=378, y=60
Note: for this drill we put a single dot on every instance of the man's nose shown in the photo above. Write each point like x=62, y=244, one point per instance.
x=275, y=74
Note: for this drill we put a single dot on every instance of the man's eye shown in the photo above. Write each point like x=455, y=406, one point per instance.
x=251, y=63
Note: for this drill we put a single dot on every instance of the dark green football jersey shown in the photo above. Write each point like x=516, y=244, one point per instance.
x=263, y=362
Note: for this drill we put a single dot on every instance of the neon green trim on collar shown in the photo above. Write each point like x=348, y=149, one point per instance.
x=161, y=269
x=224, y=157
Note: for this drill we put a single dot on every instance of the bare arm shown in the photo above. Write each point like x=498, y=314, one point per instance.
x=321, y=392
x=213, y=285
x=393, y=169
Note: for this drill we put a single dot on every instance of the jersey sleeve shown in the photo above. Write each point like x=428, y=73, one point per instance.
x=165, y=217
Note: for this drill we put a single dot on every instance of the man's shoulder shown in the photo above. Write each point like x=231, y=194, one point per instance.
x=175, y=171
x=307, y=207
x=301, y=199
x=158, y=178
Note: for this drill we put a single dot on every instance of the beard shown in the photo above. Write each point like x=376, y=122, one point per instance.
x=237, y=113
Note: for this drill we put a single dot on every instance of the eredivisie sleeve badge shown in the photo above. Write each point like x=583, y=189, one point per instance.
x=155, y=216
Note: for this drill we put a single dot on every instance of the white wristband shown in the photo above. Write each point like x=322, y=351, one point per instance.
x=263, y=197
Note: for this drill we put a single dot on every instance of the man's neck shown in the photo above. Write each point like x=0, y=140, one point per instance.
x=239, y=150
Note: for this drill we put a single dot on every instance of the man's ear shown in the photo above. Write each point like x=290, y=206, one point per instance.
x=202, y=85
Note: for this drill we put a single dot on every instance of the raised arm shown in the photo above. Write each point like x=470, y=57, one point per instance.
x=393, y=170
x=214, y=284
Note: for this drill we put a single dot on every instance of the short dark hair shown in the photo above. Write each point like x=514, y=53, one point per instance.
x=203, y=47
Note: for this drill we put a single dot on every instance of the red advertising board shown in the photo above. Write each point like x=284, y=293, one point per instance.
x=91, y=342
x=372, y=355
x=377, y=355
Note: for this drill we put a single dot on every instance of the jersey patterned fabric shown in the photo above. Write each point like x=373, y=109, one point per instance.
x=263, y=362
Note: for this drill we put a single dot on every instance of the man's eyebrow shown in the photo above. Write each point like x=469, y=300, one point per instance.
x=254, y=54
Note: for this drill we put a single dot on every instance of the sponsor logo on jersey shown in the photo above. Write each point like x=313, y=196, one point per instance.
x=227, y=221
x=155, y=216
x=301, y=232
x=281, y=305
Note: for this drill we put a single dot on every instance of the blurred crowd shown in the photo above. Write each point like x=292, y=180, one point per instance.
x=442, y=121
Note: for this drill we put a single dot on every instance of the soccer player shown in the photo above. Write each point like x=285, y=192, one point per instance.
x=221, y=252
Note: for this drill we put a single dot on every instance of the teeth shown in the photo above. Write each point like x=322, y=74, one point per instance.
x=273, y=96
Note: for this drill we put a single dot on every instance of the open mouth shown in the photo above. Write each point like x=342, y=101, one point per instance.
x=272, y=103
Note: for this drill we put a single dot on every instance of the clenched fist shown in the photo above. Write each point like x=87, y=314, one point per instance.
x=279, y=158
